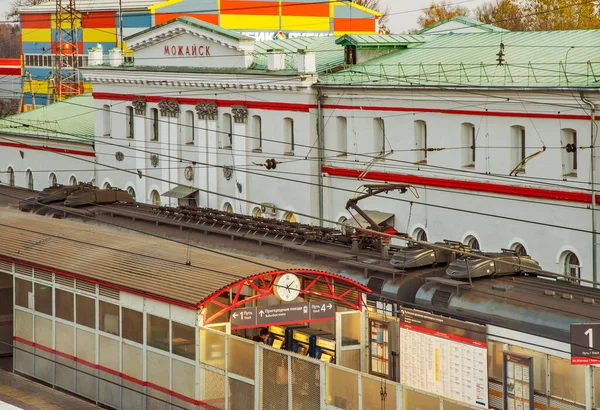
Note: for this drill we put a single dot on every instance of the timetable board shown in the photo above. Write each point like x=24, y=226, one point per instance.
x=444, y=356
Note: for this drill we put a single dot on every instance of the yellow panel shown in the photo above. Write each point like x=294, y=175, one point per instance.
x=35, y=86
x=87, y=88
x=65, y=18
x=38, y=35
x=244, y=21
x=99, y=35
x=297, y=23
x=163, y=4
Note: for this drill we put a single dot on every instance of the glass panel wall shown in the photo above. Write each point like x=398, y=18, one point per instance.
x=158, y=332
x=63, y=305
x=86, y=311
x=133, y=325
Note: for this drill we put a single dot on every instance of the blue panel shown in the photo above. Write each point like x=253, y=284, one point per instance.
x=40, y=99
x=350, y=12
x=65, y=35
x=34, y=47
x=135, y=20
x=38, y=73
x=193, y=6
x=106, y=46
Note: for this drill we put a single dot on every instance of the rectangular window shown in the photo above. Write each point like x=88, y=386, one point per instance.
x=184, y=341
x=190, y=127
x=133, y=325
x=106, y=125
x=257, y=132
x=130, y=122
x=378, y=136
x=63, y=304
x=569, y=152
x=227, y=133
x=23, y=290
x=157, y=332
x=517, y=149
x=43, y=299
x=468, y=145
x=155, y=125
x=86, y=311
x=288, y=130
x=421, y=141
x=109, y=318
x=341, y=146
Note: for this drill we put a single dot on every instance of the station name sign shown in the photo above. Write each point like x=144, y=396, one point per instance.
x=585, y=343
x=187, y=50
x=282, y=314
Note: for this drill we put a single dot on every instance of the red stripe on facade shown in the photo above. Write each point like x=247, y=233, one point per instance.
x=458, y=112
x=115, y=373
x=16, y=71
x=551, y=194
x=259, y=105
x=49, y=149
x=443, y=335
x=98, y=282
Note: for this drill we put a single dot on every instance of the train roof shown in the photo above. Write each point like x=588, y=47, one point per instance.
x=129, y=261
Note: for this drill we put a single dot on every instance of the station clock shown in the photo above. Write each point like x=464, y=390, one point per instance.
x=287, y=287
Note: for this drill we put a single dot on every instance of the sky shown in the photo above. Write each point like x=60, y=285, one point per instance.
x=403, y=17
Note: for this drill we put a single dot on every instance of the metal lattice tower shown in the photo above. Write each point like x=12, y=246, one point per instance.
x=66, y=62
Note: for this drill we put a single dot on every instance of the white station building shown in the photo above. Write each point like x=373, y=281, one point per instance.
x=491, y=129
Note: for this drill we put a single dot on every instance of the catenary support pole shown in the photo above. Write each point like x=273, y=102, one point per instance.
x=321, y=143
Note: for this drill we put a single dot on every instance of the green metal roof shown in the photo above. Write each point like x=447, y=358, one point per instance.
x=467, y=21
x=71, y=120
x=534, y=59
x=379, y=41
x=234, y=35
x=328, y=53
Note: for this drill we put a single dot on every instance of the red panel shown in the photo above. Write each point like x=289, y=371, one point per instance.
x=350, y=25
x=160, y=18
x=35, y=21
x=102, y=19
x=551, y=194
x=300, y=8
x=249, y=7
x=10, y=71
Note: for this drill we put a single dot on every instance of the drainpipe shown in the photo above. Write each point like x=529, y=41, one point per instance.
x=321, y=144
x=593, y=183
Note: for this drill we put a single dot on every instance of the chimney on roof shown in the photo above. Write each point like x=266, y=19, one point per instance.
x=276, y=59
x=306, y=62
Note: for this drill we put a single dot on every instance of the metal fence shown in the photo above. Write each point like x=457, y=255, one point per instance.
x=239, y=374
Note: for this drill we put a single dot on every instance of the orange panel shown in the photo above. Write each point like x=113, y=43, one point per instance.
x=160, y=18
x=105, y=19
x=298, y=8
x=249, y=7
x=353, y=25
x=55, y=48
x=35, y=20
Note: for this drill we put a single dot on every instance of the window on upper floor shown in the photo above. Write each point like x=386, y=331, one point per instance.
x=289, y=217
x=472, y=242
x=228, y=208
x=189, y=127
x=29, y=179
x=341, y=138
x=518, y=145
x=289, y=135
x=129, y=119
x=421, y=142
x=257, y=212
x=11, y=176
x=420, y=235
x=570, y=265
x=155, y=124
x=468, y=136
x=73, y=180
x=227, y=132
x=378, y=136
x=569, y=152
x=52, y=180
x=155, y=198
x=519, y=249
x=106, y=124
x=257, y=133
x=131, y=192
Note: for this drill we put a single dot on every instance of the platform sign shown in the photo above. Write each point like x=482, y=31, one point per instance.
x=444, y=356
x=585, y=343
x=282, y=314
x=518, y=382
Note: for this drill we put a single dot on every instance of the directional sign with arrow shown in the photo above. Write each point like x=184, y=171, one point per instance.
x=282, y=314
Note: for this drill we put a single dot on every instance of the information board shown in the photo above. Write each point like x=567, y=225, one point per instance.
x=585, y=343
x=518, y=382
x=380, y=348
x=282, y=314
x=444, y=356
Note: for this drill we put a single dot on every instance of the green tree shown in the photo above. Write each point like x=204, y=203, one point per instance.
x=15, y=5
x=440, y=11
x=506, y=14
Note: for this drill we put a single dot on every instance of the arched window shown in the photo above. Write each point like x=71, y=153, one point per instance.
x=228, y=208
x=421, y=141
x=190, y=127
x=257, y=133
x=571, y=266
x=519, y=249
x=29, y=179
x=106, y=186
x=131, y=192
x=11, y=176
x=73, y=180
x=106, y=126
x=468, y=144
x=155, y=198
x=345, y=230
x=52, y=179
x=289, y=135
x=472, y=242
x=289, y=217
x=420, y=235
x=227, y=134
x=257, y=212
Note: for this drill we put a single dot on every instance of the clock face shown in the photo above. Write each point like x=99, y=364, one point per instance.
x=287, y=287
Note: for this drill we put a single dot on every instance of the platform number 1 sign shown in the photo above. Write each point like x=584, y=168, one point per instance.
x=585, y=343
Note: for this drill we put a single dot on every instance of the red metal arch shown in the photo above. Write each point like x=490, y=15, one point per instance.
x=262, y=284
